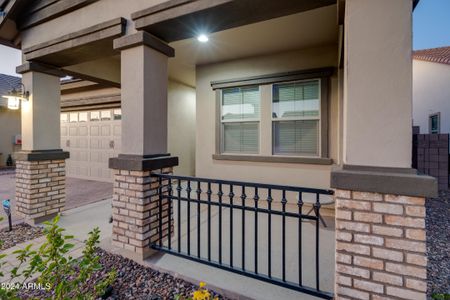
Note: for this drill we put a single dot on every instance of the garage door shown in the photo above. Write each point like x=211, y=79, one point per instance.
x=91, y=137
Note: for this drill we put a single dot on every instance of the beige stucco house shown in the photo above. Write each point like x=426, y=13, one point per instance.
x=91, y=123
x=91, y=127
x=431, y=91
x=307, y=93
x=9, y=120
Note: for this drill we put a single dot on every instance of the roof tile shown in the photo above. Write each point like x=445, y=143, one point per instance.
x=438, y=55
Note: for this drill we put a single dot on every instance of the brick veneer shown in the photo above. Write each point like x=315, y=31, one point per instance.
x=40, y=189
x=136, y=208
x=380, y=246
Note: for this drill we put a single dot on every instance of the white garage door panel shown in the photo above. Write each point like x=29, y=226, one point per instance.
x=91, y=138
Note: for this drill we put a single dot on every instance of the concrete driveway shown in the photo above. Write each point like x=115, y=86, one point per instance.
x=79, y=192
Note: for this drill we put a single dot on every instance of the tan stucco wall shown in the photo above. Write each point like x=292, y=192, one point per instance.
x=277, y=173
x=431, y=94
x=9, y=127
x=181, y=126
x=378, y=83
x=90, y=15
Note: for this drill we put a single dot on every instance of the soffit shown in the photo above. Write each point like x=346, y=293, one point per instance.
x=309, y=29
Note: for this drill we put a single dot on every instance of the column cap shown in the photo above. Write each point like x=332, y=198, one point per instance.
x=143, y=38
x=39, y=67
x=143, y=162
x=39, y=155
x=397, y=181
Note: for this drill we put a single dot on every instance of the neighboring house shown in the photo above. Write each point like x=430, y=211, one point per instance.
x=431, y=90
x=91, y=127
x=9, y=119
x=292, y=98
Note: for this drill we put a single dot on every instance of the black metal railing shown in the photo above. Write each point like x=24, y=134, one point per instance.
x=259, y=216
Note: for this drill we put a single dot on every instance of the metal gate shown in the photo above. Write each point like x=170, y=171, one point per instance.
x=250, y=229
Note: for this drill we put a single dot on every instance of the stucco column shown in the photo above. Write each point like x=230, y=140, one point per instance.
x=380, y=200
x=40, y=165
x=378, y=83
x=144, y=81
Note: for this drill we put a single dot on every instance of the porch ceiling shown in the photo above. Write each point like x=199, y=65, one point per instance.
x=313, y=28
x=180, y=19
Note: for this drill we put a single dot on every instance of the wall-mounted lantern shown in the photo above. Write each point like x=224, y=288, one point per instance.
x=15, y=97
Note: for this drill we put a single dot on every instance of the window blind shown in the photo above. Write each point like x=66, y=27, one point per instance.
x=299, y=99
x=296, y=137
x=241, y=137
x=240, y=103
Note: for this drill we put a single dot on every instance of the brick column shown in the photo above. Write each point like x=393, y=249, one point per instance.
x=380, y=246
x=136, y=204
x=136, y=211
x=40, y=166
x=40, y=189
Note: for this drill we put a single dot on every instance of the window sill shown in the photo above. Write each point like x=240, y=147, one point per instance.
x=274, y=159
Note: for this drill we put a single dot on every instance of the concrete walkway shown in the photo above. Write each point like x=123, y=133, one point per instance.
x=79, y=193
x=77, y=222
x=81, y=220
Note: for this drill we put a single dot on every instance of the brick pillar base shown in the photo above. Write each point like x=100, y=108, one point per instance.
x=380, y=246
x=136, y=210
x=40, y=189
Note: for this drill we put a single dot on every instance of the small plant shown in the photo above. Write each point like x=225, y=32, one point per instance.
x=201, y=294
x=441, y=296
x=62, y=275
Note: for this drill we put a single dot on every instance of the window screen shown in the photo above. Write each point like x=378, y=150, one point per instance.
x=296, y=118
x=240, y=113
x=296, y=137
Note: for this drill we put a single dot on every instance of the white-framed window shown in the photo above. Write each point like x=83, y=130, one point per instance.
x=434, y=123
x=274, y=116
x=117, y=114
x=73, y=117
x=105, y=115
x=95, y=116
x=240, y=116
x=83, y=116
x=296, y=118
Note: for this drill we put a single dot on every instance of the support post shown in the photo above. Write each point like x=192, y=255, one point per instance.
x=380, y=200
x=136, y=199
x=40, y=165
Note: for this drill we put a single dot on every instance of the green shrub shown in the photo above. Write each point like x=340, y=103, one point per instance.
x=64, y=276
x=440, y=296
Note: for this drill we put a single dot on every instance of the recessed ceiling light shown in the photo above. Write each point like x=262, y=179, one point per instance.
x=202, y=38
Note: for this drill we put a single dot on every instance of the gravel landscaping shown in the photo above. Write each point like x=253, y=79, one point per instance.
x=438, y=243
x=20, y=233
x=134, y=281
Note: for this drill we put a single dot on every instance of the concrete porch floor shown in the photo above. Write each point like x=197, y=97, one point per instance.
x=82, y=219
x=79, y=193
x=225, y=282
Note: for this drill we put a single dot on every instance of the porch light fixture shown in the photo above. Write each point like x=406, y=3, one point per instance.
x=14, y=97
x=202, y=38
